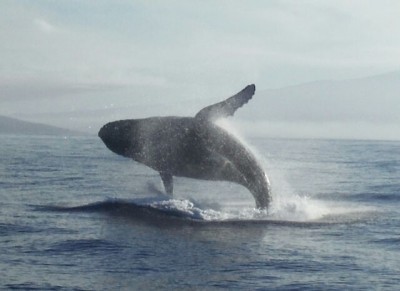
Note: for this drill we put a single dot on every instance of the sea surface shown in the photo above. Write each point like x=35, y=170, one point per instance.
x=75, y=216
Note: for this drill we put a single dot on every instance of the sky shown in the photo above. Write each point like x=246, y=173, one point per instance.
x=64, y=61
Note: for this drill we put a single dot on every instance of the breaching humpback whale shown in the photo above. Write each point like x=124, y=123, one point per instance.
x=193, y=147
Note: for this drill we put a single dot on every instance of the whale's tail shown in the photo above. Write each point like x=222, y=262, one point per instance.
x=227, y=107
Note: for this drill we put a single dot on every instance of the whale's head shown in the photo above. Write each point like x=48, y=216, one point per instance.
x=120, y=136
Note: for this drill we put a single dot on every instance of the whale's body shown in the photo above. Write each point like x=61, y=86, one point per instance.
x=193, y=147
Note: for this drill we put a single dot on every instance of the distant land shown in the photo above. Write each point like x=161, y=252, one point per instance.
x=373, y=99
x=364, y=108
x=10, y=125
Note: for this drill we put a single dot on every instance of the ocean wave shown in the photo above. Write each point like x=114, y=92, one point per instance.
x=297, y=211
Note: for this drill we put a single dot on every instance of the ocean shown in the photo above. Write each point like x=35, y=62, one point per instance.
x=75, y=216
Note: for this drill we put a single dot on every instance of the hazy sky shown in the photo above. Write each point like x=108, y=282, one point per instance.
x=71, y=56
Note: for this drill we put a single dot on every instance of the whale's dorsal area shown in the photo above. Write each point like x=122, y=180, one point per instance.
x=192, y=147
x=227, y=107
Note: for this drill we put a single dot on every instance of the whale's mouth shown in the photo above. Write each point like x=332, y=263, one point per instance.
x=117, y=136
x=109, y=131
x=108, y=137
x=102, y=132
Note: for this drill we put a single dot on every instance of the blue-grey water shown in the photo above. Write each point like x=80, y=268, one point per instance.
x=74, y=216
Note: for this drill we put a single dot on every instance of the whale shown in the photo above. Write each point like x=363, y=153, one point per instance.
x=192, y=147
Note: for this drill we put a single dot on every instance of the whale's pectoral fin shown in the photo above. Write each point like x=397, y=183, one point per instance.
x=168, y=182
x=227, y=107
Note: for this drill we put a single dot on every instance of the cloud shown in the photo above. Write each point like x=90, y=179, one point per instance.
x=169, y=42
x=180, y=51
x=44, y=25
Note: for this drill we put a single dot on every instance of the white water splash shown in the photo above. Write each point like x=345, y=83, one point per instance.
x=187, y=209
x=285, y=207
x=286, y=204
x=291, y=211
